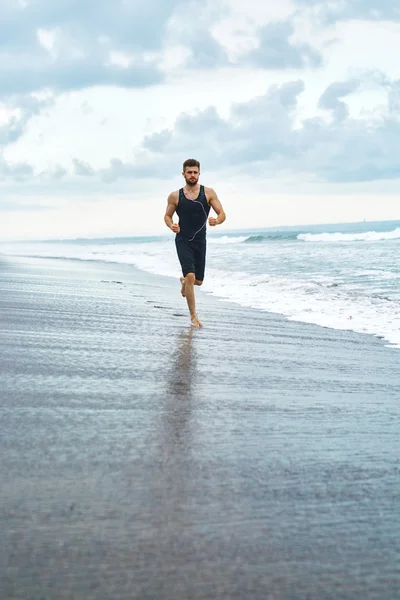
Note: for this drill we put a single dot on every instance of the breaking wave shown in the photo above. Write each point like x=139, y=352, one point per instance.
x=367, y=236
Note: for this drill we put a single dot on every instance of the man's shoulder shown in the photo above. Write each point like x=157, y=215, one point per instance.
x=174, y=195
x=209, y=192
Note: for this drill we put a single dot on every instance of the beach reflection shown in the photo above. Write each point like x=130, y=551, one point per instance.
x=183, y=367
x=177, y=413
x=176, y=433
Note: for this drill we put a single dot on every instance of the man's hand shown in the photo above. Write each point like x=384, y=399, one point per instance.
x=175, y=227
x=212, y=221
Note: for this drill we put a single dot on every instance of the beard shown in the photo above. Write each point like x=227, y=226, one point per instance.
x=191, y=183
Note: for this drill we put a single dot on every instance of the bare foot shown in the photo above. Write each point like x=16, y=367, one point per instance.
x=196, y=322
x=183, y=282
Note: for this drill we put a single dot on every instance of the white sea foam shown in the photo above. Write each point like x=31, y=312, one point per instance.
x=225, y=239
x=367, y=236
x=310, y=302
x=377, y=273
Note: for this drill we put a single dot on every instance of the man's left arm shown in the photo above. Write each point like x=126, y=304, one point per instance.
x=214, y=202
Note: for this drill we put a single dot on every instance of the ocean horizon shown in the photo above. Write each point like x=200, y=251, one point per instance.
x=356, y=226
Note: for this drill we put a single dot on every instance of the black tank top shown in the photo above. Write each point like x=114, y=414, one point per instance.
x=193, y=216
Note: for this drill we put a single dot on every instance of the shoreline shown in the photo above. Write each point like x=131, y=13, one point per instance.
x=256, y=457
x=129, y=270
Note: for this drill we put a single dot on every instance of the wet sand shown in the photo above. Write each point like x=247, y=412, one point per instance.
x=254, y=459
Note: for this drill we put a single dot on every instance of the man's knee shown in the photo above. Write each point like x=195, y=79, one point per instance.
x=190, y=278
x=198, y=282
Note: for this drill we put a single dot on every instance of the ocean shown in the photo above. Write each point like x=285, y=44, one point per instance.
x=344, y=276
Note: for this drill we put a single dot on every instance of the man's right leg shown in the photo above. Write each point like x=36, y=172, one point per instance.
x=183, y=282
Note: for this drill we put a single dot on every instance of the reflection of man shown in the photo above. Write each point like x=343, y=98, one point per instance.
x=183, y=366
x=192, y=205
x=176, y=428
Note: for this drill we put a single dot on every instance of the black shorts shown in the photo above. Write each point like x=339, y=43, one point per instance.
x=192, y=256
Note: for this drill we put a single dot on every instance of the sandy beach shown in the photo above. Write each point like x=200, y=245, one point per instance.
x=254, y=459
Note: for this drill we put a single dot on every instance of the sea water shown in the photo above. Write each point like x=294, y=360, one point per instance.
x=344, y=276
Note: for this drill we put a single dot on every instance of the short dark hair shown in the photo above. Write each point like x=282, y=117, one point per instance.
x=191, y=162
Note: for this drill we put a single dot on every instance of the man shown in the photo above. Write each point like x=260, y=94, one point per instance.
x=192, y=204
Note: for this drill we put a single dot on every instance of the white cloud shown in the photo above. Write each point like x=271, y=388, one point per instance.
x=128, y=90
x=46, y=39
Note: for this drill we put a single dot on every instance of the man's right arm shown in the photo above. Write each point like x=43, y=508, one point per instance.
x=172, y=203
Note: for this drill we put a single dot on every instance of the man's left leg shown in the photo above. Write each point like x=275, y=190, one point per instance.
x=200, y=260
x=190, y=298
x=187, y=258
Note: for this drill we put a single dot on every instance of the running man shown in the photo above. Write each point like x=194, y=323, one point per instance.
x=192, y=204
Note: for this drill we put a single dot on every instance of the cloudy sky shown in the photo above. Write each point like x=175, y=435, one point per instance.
x=292, y=107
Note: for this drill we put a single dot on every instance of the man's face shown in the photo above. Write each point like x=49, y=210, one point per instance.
x=191, y=175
